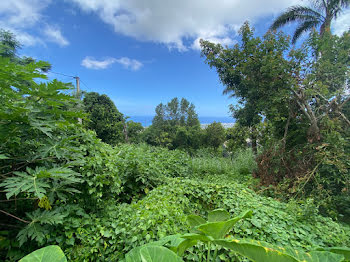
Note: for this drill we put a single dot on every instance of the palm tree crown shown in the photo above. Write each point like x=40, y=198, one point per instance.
x=320, y=14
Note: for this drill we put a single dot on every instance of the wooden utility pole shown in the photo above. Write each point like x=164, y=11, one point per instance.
x=77, y=85
x=78, y=93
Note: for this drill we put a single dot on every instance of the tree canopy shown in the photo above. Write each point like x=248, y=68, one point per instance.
x=104, y=118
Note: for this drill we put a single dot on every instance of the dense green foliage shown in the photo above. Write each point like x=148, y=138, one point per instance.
x=301, y=94
x=175, y=125
x=213, y=233
x=61, y=184
x=104, y=118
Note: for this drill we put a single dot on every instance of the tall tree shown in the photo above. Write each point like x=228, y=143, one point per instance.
x=105, y=118
x=214, y=135
x=319, y=14
x=175, y=125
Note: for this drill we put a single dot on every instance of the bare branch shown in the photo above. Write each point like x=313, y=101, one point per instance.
x=24, y=221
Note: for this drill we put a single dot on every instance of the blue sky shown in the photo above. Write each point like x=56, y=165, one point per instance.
x=138, y=52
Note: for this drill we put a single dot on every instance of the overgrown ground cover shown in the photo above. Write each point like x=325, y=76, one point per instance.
x=163, y=211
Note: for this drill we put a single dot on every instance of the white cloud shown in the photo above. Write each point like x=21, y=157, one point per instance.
x=130, y=63
x=181, y=23
x=342, y=23
x=22, y=13
x=92, y=63
x=19, y=16
x=54, y=34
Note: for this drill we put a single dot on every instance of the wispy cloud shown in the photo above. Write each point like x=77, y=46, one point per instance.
x=23, y=17
x=54, y=34
x=92, y=63
x=128, y=63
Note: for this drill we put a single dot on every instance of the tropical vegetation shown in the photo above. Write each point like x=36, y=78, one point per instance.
x=79, y=182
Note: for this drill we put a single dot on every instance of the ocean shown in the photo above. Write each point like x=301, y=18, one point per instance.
x=204, y=120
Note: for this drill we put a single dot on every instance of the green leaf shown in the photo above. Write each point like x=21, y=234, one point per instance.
x=195, y=220
x=2, y=156
x=323, y=256
x=260, y=251
x=218, y=215
x=46, y=254
x=345, y=251
x=184, y=245
x=218, y=230
x=200, y=237
x=255, y=251
x=157, y=254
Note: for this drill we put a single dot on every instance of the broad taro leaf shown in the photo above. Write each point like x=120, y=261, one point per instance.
x=157, y=254
x=323, y=256
x=134, y=255
x=46, y=254
x=218, y=230
x=184, y=245
x=195, y=220
x=199, y=237
x=345, y=251
x=218, y=215
x=255, y=251
x=261, y=252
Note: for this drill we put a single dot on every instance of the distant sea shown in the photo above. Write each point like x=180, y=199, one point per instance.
x=204, y=120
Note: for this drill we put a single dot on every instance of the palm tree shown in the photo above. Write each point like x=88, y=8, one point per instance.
x=320, y=14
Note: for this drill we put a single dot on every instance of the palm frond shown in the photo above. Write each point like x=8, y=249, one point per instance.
x=336, y=6
x=304, y=27
x=296, y=13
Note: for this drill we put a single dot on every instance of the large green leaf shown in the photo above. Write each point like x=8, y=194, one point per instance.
x=218, y=230
x=134, y=255
x=255, y=251
x=195, y=220
x=46, y=254
x=323, y=256
x=200, y=237
x=345, y=251
x=218, y=215
x=261, y=252
x=158, y=254
x=184, y=245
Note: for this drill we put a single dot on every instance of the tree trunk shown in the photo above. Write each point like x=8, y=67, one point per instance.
x=253, y=137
